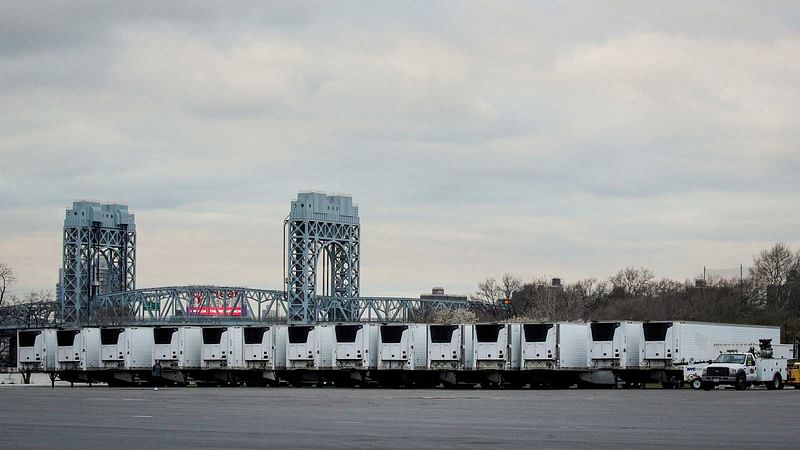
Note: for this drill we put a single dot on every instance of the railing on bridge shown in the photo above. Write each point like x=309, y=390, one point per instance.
x=189, y=304
x=215, y=304
x=381, y=309
x=235, y=304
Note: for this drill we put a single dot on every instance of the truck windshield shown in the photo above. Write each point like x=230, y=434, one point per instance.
x=730, y=359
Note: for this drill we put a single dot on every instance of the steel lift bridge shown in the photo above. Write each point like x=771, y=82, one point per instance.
x=322, y=275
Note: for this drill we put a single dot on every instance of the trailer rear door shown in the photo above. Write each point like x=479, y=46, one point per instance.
x=657, y=340
x=111, y=347
x=603, y=340
x=539, y=341
x=349, y=341
x=256, y=347
x=394, y=340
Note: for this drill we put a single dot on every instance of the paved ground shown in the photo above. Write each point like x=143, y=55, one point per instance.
x=101, y=417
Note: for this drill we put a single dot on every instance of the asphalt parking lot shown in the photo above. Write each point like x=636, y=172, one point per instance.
x=99, y=417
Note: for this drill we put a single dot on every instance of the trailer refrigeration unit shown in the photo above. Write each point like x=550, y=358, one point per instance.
x=489, y=347
x=445, y=347
x=614, y=346
x=402, y=347
x=36, y=351
x=449, y=352
x=78, y=355
x=670, y=347
x=402, y=355
x=485, y=354
x=217, y=347
x=177, y=352
x=126, y=354
x=301, y=343
x=216, y=353
x=347, y=352
x=234, y=354
x=355, y=346
x=549, y=354
x=252, y=357
x=301, y=356
x=254, y=350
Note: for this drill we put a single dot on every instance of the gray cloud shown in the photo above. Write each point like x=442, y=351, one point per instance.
x=554, y=138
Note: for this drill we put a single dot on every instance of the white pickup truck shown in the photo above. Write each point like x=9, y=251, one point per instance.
x=745, y=369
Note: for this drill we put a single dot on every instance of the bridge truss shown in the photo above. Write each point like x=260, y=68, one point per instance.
x=225, y=304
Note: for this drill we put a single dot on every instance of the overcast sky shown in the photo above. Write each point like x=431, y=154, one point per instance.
x=550, y=138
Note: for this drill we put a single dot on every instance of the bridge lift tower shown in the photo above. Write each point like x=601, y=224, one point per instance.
x=99, y=256
x=323, y=248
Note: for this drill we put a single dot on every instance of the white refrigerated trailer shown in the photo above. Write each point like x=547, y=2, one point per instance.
x=355, y=346
x=36, y=350
x=614, y=348
x=236, y=354
x=402, y=358
x=669, y=346
x=548, y=353
x=218, y=345
x=446, y=346
x=253, y=348
x=346, y=352
x=126, y=354
x=450, y=354
x=301, y=352
x=489, y=348
x=614, y=345
x=485, y=354
x=129, y=348
x=402, y=347
x=301, y=346
x=177, y=352
x=553, y=345
x=255, y=355
x=78, y=354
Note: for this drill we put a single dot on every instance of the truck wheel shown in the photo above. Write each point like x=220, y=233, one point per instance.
x=741, y=383
x=697, y=384
x=776, y=383
x=707, y=386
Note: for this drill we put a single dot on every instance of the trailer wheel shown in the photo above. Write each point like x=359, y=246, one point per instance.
x=776, y=383
x=696, y=384
x=741, y=382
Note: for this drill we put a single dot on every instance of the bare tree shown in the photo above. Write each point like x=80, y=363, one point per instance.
x=771, y=271
x=510, y=285
x=583, y=297
x=488, y=291
x=35, y=310
x=665, y=287
x=7, y=278
x=591, y=289
x=538, y=300
x=633, y=282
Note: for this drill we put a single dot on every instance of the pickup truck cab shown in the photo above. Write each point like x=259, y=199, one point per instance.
x=745, y=369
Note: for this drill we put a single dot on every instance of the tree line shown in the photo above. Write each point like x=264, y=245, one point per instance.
x=768, y=294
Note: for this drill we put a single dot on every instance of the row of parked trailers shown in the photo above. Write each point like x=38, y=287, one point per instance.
x=558, y=354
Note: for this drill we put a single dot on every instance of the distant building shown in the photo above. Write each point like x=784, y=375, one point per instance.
x=438, y=293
